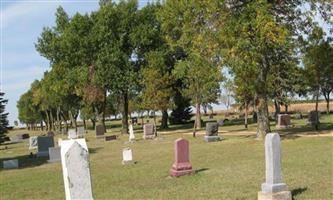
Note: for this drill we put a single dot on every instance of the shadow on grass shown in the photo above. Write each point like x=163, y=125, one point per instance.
x=297, y=191
x=94, y=150
x=201, y=170
x=26, y=161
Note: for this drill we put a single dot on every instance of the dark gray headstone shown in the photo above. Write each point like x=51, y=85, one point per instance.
x=100, y=130
x=212, y=129
x=312, y=119
x=110, y=137
x=44, y=143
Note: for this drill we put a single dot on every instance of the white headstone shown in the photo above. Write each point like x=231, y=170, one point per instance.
x=75, y=168
x=273, y=184
x=131, y=134
x=10, y=164
x=127, y=156
x=33, y=142
x=59, y=141
x=54, y=154
x=80, y=132
x=72, y=134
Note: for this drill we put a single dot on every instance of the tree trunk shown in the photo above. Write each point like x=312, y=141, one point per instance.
x=125, y=113
x=41, y=125
x=277, y=109
x=245, y=117
x=327, y=98
x=93, y=123
x=263, y=120
x=164, y=123
x=84, y=124
x=155, y=129
x=197, y=122
x=58, y=119
x=317, y=116
x=286, y=108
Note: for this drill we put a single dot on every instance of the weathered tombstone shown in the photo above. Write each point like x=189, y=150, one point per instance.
x=182, y=165
x=75, y=168
x=72, y=134
x=110, y=137
x=80, y=132
x=127, y=156
x=148, y=131
x=10, y=164
x=16, y=139
x=131, y=137
x=273, y=188
x=312, y=119
x=212, y=129
x=25, y=136
x=283, y=121
x=134, y=120
x=299, y=116
x=33, y=142
x=220, y=122
x=54, y=153
x=99, y=131
x=44, y=143
x=50, y=134
x=59, y=142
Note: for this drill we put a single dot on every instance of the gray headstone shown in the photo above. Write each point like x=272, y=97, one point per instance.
x=54, y=154
x=131, y=137
x=16, y=138
x=80, y=132
x=44, y=143
x=10, y=164
x=148, y=131
x=33, y=142
x=212, y=129
x=72, y=134
x=76, y=172
x=312, y=119
x=273, y=165
x=99, y=130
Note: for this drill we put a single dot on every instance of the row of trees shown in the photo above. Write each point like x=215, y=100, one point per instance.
x=167, y=55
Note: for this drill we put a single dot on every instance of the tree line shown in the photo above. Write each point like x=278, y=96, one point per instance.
x=170, y=55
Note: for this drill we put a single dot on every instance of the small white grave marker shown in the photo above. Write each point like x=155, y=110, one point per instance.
x=127, y=156
x=72, y=134
x=131, y=134
x=54, y=154
x=80, y=132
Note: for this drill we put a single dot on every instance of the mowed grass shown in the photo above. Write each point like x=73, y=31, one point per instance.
x=231, y=169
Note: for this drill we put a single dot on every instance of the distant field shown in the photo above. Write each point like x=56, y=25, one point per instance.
x=231, y=169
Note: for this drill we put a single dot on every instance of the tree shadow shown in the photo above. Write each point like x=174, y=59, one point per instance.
x=201, y=170
x=94, y=150
x=26, y=161
x=297, y=191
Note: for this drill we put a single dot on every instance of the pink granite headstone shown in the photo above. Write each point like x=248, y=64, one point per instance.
x=182, y=165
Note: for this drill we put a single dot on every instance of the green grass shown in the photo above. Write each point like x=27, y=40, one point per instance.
x=231, y=169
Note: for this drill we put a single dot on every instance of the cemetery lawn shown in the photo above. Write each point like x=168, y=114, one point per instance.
x=231, y=169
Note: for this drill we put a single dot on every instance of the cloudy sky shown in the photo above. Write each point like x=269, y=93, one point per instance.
x=22, y=22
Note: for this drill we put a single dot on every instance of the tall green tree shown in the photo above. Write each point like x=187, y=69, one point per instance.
x=3, y=117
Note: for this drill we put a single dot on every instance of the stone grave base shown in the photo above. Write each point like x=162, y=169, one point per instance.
x=53, y=161
x=128, y=162
x=212, y=138
x=284, y=195
x=146, y=137
x=177, y=173
x=10, y=164
x=43, y=154
x=283, y=126
x=100, y=136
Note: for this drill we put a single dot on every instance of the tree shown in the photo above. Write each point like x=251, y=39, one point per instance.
x=227, y=93
x=3, y=117
x=188, y=27
x=318, y=62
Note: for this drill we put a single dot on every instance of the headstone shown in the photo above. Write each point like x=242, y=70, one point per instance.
x=80, y=132
x=212, y=129
x=44, y=143
x=312, y=119
x=75, y=168
x=148, y=131
x=99, y=131
x=110, y=137
x=182, y=165
x=54, y=153
x=10, y=164
x=273, y=188
x=33, y=142
x=63, y=131
x=127, y=156
x=25, y=136
x=16, y=138
x=299, y=116
x=50, y=134
x=283, y=121
x=59, y=142
x=134, y=120
x=131, y=137
x=72, y=134
x=220, y=122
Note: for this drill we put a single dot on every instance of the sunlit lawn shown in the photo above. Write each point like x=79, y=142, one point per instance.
x=230, y=169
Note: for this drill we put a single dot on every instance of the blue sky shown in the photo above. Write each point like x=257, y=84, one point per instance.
x=21, y=24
